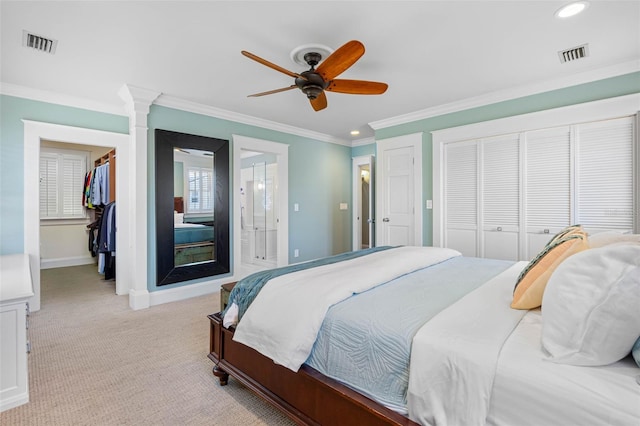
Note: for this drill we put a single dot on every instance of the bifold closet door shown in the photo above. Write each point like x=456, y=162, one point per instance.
x=604, y=175
x=548, y=174
x=461, y=197
x=500, y=197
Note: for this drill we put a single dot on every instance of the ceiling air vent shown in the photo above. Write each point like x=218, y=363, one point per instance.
x=37, y=42
x=574, y=53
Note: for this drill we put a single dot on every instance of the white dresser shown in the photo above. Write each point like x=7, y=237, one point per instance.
x=15, y=290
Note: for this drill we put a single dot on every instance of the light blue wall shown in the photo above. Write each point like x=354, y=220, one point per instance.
x=319, y=180
x=602, y=89
x=12, y=111
x=359, y=151
x=319, y=173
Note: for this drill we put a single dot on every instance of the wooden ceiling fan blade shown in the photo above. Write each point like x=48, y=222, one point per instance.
x=271, y=65
x=357, y=87
x=270, y=92
x=320, y=102
x=340, y=60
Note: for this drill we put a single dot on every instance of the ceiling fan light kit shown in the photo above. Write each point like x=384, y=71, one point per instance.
x=314, y=82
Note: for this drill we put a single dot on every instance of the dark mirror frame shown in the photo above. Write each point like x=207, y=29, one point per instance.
x=167, y=273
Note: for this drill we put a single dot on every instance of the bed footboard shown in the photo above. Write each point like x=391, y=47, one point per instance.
x=307, y=397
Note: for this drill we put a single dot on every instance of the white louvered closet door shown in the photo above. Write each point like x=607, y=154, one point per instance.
x=548, y=186
x=500, y=197
x=461, y=197
x=604, y=199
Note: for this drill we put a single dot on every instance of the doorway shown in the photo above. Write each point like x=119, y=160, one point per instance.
x=260, y=205
x=363, y=202
x=34, y=132
x=259, y=209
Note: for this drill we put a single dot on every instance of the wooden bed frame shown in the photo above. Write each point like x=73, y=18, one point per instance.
x=307, y=397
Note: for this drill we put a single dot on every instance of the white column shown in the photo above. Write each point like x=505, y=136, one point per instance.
x=137, y=103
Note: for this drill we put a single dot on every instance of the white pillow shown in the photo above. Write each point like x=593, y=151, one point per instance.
x=591, y=306
x=610, y=237
x=178, y=217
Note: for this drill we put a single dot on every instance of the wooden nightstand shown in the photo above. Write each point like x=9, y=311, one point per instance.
x=225, y=289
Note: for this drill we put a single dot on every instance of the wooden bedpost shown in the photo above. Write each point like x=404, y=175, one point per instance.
x=221, y=374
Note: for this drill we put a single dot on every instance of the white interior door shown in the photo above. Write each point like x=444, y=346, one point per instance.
x=399, y=194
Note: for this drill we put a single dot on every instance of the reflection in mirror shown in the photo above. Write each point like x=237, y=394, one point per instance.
x=192, y=207
x=193, y=201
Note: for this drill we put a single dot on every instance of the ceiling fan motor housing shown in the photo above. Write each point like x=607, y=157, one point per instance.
x=313, y=85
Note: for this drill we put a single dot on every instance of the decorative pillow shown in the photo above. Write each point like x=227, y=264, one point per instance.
x=531, y=282
x=590, y=306
x=635, y=351
x=611, y=237
x=178, y=217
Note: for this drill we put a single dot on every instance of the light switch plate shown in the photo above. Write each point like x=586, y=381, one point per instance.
x=343, y=206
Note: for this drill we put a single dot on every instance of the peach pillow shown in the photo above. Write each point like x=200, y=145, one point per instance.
x=533, y=279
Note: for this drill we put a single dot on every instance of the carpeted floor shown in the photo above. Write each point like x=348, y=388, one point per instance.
x=96, y=362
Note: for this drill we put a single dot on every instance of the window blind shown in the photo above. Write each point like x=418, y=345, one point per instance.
x=62, y=174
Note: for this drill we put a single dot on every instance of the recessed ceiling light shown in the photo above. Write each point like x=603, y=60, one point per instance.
x=572, y=9
x=355, y=132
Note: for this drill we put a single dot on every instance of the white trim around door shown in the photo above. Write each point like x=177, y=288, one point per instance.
x=34, y=133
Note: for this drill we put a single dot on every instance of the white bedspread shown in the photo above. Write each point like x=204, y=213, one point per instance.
x=571, y=395
x=454, y=355
x=283, y=321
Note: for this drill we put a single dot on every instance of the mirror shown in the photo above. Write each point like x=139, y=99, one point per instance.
x=192, y=206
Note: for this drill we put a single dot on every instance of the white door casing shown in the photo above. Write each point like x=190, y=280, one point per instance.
x=34, y=132
x=399, y=191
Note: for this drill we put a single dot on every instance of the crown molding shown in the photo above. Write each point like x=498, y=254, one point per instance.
x=9, y=89
x=167, y=101
x=197, y=108
x=363, y=141
x=511, y=93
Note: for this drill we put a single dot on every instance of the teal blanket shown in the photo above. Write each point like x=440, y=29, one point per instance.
x=248, y=288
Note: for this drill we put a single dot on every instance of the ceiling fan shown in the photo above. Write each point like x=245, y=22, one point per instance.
x=315, y=82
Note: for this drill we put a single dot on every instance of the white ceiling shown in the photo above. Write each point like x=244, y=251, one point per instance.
x=431, y=53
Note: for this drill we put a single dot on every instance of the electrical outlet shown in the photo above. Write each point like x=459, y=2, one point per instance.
x=296, y=253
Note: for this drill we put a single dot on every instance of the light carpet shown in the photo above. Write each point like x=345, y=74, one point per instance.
x=94, y=361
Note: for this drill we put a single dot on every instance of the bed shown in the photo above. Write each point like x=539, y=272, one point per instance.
x=193, y=242
x=419, y=337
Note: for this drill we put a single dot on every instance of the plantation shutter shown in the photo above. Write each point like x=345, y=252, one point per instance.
x=62, y=174
x=48, y=185
x=604, y=198
x=73, y=180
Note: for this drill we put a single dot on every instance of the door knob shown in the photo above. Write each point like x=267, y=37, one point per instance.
x=386, y=219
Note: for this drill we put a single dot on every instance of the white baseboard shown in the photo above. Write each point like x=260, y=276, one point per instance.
x=67, y=261
x=14, y=401
x=194, y=290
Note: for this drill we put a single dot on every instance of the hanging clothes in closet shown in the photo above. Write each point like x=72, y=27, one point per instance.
x=96, y=189
x=99, y=195
x=106, y=242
